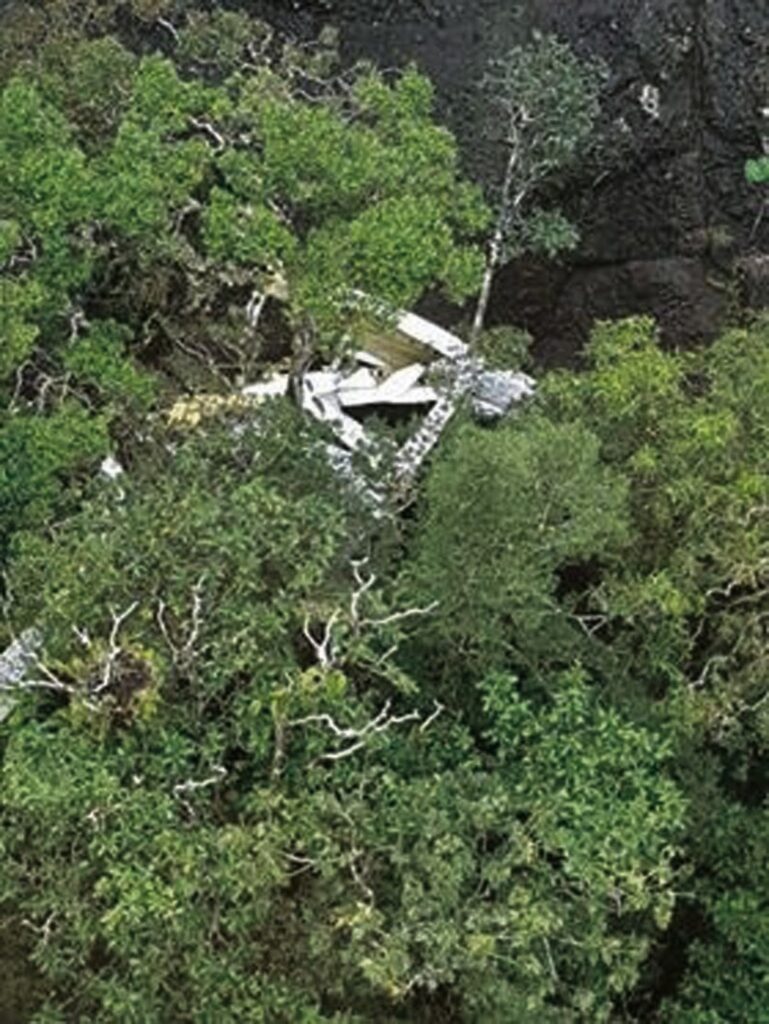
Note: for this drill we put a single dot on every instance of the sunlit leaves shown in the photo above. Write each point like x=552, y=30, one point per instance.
x=757, y=170
x=99, y=359
x=249, y=232
x=537, y=497
x=37, y=454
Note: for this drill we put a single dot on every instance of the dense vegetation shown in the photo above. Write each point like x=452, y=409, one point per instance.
x=282, y=759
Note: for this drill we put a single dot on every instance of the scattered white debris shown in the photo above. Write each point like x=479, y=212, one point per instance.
x=496, y=391
x=369, y=359
x=15, y=660
x=413, y=453
x=340, y=460
x=326, y=394
x=398, y=388
x=111, y=468
x=650, y=101
x=431, y=335
x=271, y=388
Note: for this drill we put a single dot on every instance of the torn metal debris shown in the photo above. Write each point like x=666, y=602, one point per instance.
x=15, y=661
x=410, y=362
x=384, y=375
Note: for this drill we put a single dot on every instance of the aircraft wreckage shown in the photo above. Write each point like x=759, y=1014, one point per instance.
x=414, y=364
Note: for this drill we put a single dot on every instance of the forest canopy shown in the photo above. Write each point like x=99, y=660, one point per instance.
x=499, y=755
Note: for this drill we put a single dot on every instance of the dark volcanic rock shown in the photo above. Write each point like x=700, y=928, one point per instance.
x=753, y=274
x=686, y=296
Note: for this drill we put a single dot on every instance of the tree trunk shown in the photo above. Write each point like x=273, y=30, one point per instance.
x=495, y=250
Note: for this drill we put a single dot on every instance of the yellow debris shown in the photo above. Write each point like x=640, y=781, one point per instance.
x=189, y=412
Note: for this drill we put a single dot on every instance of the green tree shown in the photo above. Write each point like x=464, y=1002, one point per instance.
x=225, y=795
x=544, y=102
x=728, y=972
x=677, y=622
x=688, y=432
x=757, y=170
x=148, y=214
x=504, y=512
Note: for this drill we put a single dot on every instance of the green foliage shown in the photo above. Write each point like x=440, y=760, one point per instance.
x=484, y=773
x=601, y=811
x=181, y=517
x=38, y=455
x=98, y=360
x=336, y=193
x=543, y=102
x=505, y=348
x=145, y=203
x=680, y=615
x=757, y=170
x=538, y=499
x=548, y=232
x=91, y=83
x=218, y=41
x=689, y=435
x=728, y=971
x=245, y=234
x=228, y=817
x=555, y=90
x=44, y=185
x=18, y=300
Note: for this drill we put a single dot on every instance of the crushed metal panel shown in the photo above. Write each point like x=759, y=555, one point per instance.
x=399, y=383
x=436, y=338
x=274, y=387
x=422, y=395
x=494, y=392
x=15, y=661
x=413, y=453
x=319, y=397
x=369, y=359
x=392, y=349
x=391, y=362
x=361, y=379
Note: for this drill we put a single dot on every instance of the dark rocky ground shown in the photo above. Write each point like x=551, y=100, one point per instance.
x=666, y=217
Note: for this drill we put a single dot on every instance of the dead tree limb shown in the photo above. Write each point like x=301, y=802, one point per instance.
x=114, y=647
x=360, y=736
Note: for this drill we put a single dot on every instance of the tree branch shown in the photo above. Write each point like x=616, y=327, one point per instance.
x=114, y=647
x=380, y=723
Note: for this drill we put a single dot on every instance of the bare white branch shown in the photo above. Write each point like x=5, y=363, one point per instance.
x=44, y=929
x=169, y=27
x=82, y=635
x=77, y=323
x=54, y=685
x=407, y=613
x=746, y=709
x=184, y=653
x=699, y=682
x=254, y=308
x=380, y=723
x=114, y=647
x=364, y=585
x=590, y=624
x=303, y=864
x=218, y=772
x=439, y=709
x=339, y=755
x=210, y=131
x=322, y=647
x=195, y=620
